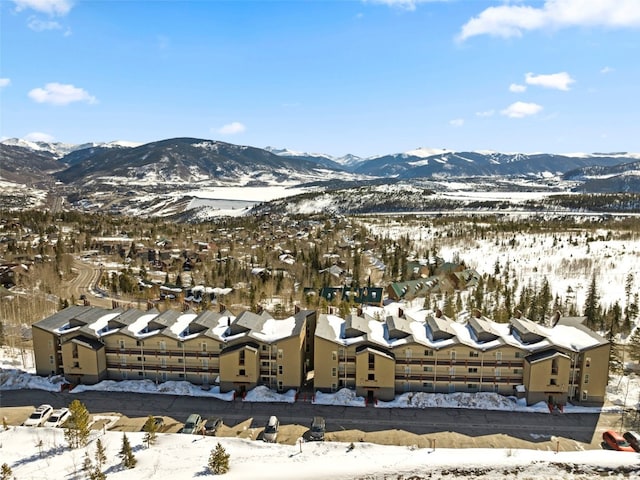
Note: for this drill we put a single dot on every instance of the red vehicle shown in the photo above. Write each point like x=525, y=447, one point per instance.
x=615, y=441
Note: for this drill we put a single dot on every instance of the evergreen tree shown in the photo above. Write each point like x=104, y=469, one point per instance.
x=633, y=345
x=5, y=472
x=151, y=429
x=591, y=307
x=77, y=429
x=544, y=299
x=101, y=454
x=218, y=460
x=128, y=459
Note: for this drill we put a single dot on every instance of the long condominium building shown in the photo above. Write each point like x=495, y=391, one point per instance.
x=375, y=353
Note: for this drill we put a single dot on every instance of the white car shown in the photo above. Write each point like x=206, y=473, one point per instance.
x=39, y=416
x=57, y=418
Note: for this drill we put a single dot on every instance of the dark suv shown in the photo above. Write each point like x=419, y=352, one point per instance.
x=318, y=428
x=634, y=439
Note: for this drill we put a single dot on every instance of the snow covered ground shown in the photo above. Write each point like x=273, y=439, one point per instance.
x=41, y=453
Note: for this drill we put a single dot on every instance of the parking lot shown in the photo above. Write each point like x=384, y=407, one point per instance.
x=447, y=428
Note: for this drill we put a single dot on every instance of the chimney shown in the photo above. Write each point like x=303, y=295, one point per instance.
x=400, y=313
x=222, y=307
x=555, y=319
x=438, y=313
x=517, y=314
x=477, y=313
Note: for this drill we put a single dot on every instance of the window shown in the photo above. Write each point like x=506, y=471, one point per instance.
x=74, y=350
x=472, y=386
x=371, y=377
x=242, y=372
x=333, y=372
x=50, y=343
x=428, y=369
x=333, y=387
x=586, y=378
x=280, y=354
x=407, y=370
x=163, y=345
x=427, y=384
x=181, y=375
x=517, y=371
x=453, y=355
x=498, y=373
x=179, y=344
x=241, y=357
x=264, y=363
x=587, y=362
x=139, y=343
x=498, y=357
x=407, y=353
x=452, y=371
x=123, y=359
x=205, y=362
x=473, y=370
x=51, y=359
x=334, y=356
x=264, y=348
x=140, y=374
x=585, y=395
x=204, y=347
x=121, y=343
x=553, y=381
x=76, y=365
x=518, y=355
x=372, y=361
x=180, y=360
x=474, y=354
x=428, y=353
x=341, y=352
x=139, y=359
x=280, y=369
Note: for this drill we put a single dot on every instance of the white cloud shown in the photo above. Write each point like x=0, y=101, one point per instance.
x=559, y=81
x=232, y=128
x=50, y=7
x=486, y=113
x=5, y=82
x=513, y=20
x=38, y=25
x=517, y=88
x=60, y=94
x=606, y=70
x=456, y=122
x=521, y=109
x=39, y=137
x=404, y=4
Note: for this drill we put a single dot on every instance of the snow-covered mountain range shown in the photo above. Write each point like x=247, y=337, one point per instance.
x=173, y=168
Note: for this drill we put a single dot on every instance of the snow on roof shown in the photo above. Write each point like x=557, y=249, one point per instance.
x=571, y=338
x=273, y=330
x=141, y=323
x=181, y=324
x=102, y=322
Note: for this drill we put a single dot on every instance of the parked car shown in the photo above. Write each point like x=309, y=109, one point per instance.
x=58, y=417
x=212, y=425
x=193, y=424
x=633, y=438
x=270, y=432
x=615, y=441
x=39, y=416
x=158, y=422
x=318, y=428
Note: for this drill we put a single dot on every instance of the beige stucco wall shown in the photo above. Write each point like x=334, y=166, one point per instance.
x=91, y=364
x=538, y=378
x=44, y=347
x=230, y=369
x=383, y=383
x=593, y=364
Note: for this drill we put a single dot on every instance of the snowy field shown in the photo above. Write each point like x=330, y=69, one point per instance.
x=42, y=453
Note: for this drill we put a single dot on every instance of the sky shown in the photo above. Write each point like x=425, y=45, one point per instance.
x=365, y=77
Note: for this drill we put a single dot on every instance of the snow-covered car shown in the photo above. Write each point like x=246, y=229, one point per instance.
x=57, y=418
x=39, y=416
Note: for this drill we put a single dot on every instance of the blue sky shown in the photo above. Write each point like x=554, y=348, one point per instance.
x=362, y=77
